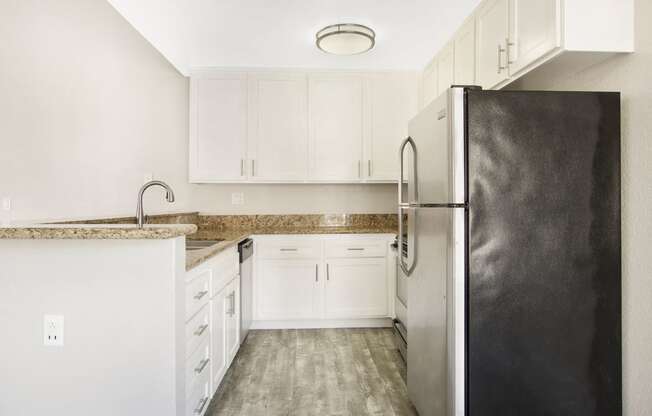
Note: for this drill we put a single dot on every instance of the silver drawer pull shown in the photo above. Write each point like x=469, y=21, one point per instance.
x=202, y=365
x=200, y=406
x=201, y=330
x=355, y=249
x=201, y=294
x=289, y=249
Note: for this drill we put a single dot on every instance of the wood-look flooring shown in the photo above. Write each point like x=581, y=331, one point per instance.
x=316, y=372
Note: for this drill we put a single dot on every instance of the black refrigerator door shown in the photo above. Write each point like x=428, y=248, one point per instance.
x=544, y=275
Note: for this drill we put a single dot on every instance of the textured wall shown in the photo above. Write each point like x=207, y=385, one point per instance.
x=629, y=74
x=87, y=107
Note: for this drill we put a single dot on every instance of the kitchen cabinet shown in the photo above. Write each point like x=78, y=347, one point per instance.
x=322, y=281
x=287, y=289
x=218, y=127
x=465, y=54
x=232, y=319
x=492, y=25
x=336, y=127
x=429, y=81
x=219, y=315
x=278, y=128
x=392, y=102
x=535, y=30
x=446, y=68
x=355, y=288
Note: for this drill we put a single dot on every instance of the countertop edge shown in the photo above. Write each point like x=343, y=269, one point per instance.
x=150, y=232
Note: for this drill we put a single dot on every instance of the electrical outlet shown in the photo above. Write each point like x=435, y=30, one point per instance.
x=147, y=177
x=53, y=330
x=237, y=198
x=6, y=204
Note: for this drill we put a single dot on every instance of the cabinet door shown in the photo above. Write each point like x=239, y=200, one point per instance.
x=218, y=128
x=392, y=102
x=278, y=127
x=465, y=54
x=535, y=30
x=336, y=111
x=429, y=84
x=492, y=23
x=287, y=289
x=218, y=338
x=446, y=68
x=232, y=337
x=355, y=288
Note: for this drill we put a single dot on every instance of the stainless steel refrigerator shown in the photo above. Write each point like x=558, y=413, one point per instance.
x=510, y=204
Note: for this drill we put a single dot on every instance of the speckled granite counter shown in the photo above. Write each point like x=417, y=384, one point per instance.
x=96, y=231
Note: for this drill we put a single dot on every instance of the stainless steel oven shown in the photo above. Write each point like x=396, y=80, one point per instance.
x=401, y=302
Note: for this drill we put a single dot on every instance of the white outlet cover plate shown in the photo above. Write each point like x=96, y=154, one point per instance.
x=53, y=330
x=237, y=198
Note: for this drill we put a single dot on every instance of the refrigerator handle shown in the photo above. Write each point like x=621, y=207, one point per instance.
x=401, y=180
x=407, y=269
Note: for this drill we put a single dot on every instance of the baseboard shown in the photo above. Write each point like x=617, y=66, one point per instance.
x=324, y=323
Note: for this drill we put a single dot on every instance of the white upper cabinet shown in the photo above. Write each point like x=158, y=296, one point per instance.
x=218, y=127
x=391, y=102
x=492, y=24
x=429, y=84
x=535, y=30
x=446, y=68
x=278, y=130
x=336, y=127
x=465, y=54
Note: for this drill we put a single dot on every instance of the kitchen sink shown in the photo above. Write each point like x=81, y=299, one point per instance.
x=199, y=244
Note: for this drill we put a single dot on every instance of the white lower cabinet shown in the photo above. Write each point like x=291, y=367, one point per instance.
x=287, y=288
x=212, y=327
x=355, y=288
x=321, y=280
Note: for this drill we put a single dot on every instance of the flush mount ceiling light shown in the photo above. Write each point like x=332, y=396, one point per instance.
x=346, y=39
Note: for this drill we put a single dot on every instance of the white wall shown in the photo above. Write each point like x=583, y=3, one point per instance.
x=87, y=107
x=629, y=74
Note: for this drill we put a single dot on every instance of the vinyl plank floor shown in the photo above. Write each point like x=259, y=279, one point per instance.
x=315, y=372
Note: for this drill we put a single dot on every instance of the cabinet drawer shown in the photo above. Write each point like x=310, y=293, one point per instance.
x=197, y=293
x=199, y=396
x=355, y=248
x=198, y=366
x=197, y=330
x=225, y=267
x=289, y=249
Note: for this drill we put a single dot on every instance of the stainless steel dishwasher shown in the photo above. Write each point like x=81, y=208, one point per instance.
x=246, y=250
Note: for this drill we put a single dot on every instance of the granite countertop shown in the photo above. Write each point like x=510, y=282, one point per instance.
x=96, y=231
x=234, y=236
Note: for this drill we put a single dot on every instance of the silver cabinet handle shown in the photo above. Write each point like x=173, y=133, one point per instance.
x=328, y=273
x=289, y=249
x=202, y=364
x=500, y=58
x=316, y=272
x=509, y=53
x=242, y=167
x=355, y=249
x=201, y=330
x=201, y=294
x=253, y=167
x=231, y=311
x=359, y=168
x=369, y=167
x=200, y=406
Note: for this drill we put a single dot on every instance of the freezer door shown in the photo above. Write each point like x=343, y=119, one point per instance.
x=438, y=136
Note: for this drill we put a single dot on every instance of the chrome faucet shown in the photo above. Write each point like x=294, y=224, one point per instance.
x=169, y=196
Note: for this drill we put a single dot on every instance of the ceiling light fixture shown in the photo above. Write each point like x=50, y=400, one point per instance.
x=346, y=39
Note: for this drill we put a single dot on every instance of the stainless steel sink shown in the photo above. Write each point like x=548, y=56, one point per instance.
x=199, y=244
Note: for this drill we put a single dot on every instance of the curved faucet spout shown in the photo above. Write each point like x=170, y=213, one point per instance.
x=169, y=196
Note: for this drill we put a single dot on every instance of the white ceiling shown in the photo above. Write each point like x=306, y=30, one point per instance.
x=280, y=33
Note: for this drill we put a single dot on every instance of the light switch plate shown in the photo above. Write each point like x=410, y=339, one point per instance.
x=53, y=330
x=147, y=177
x=237, y=198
